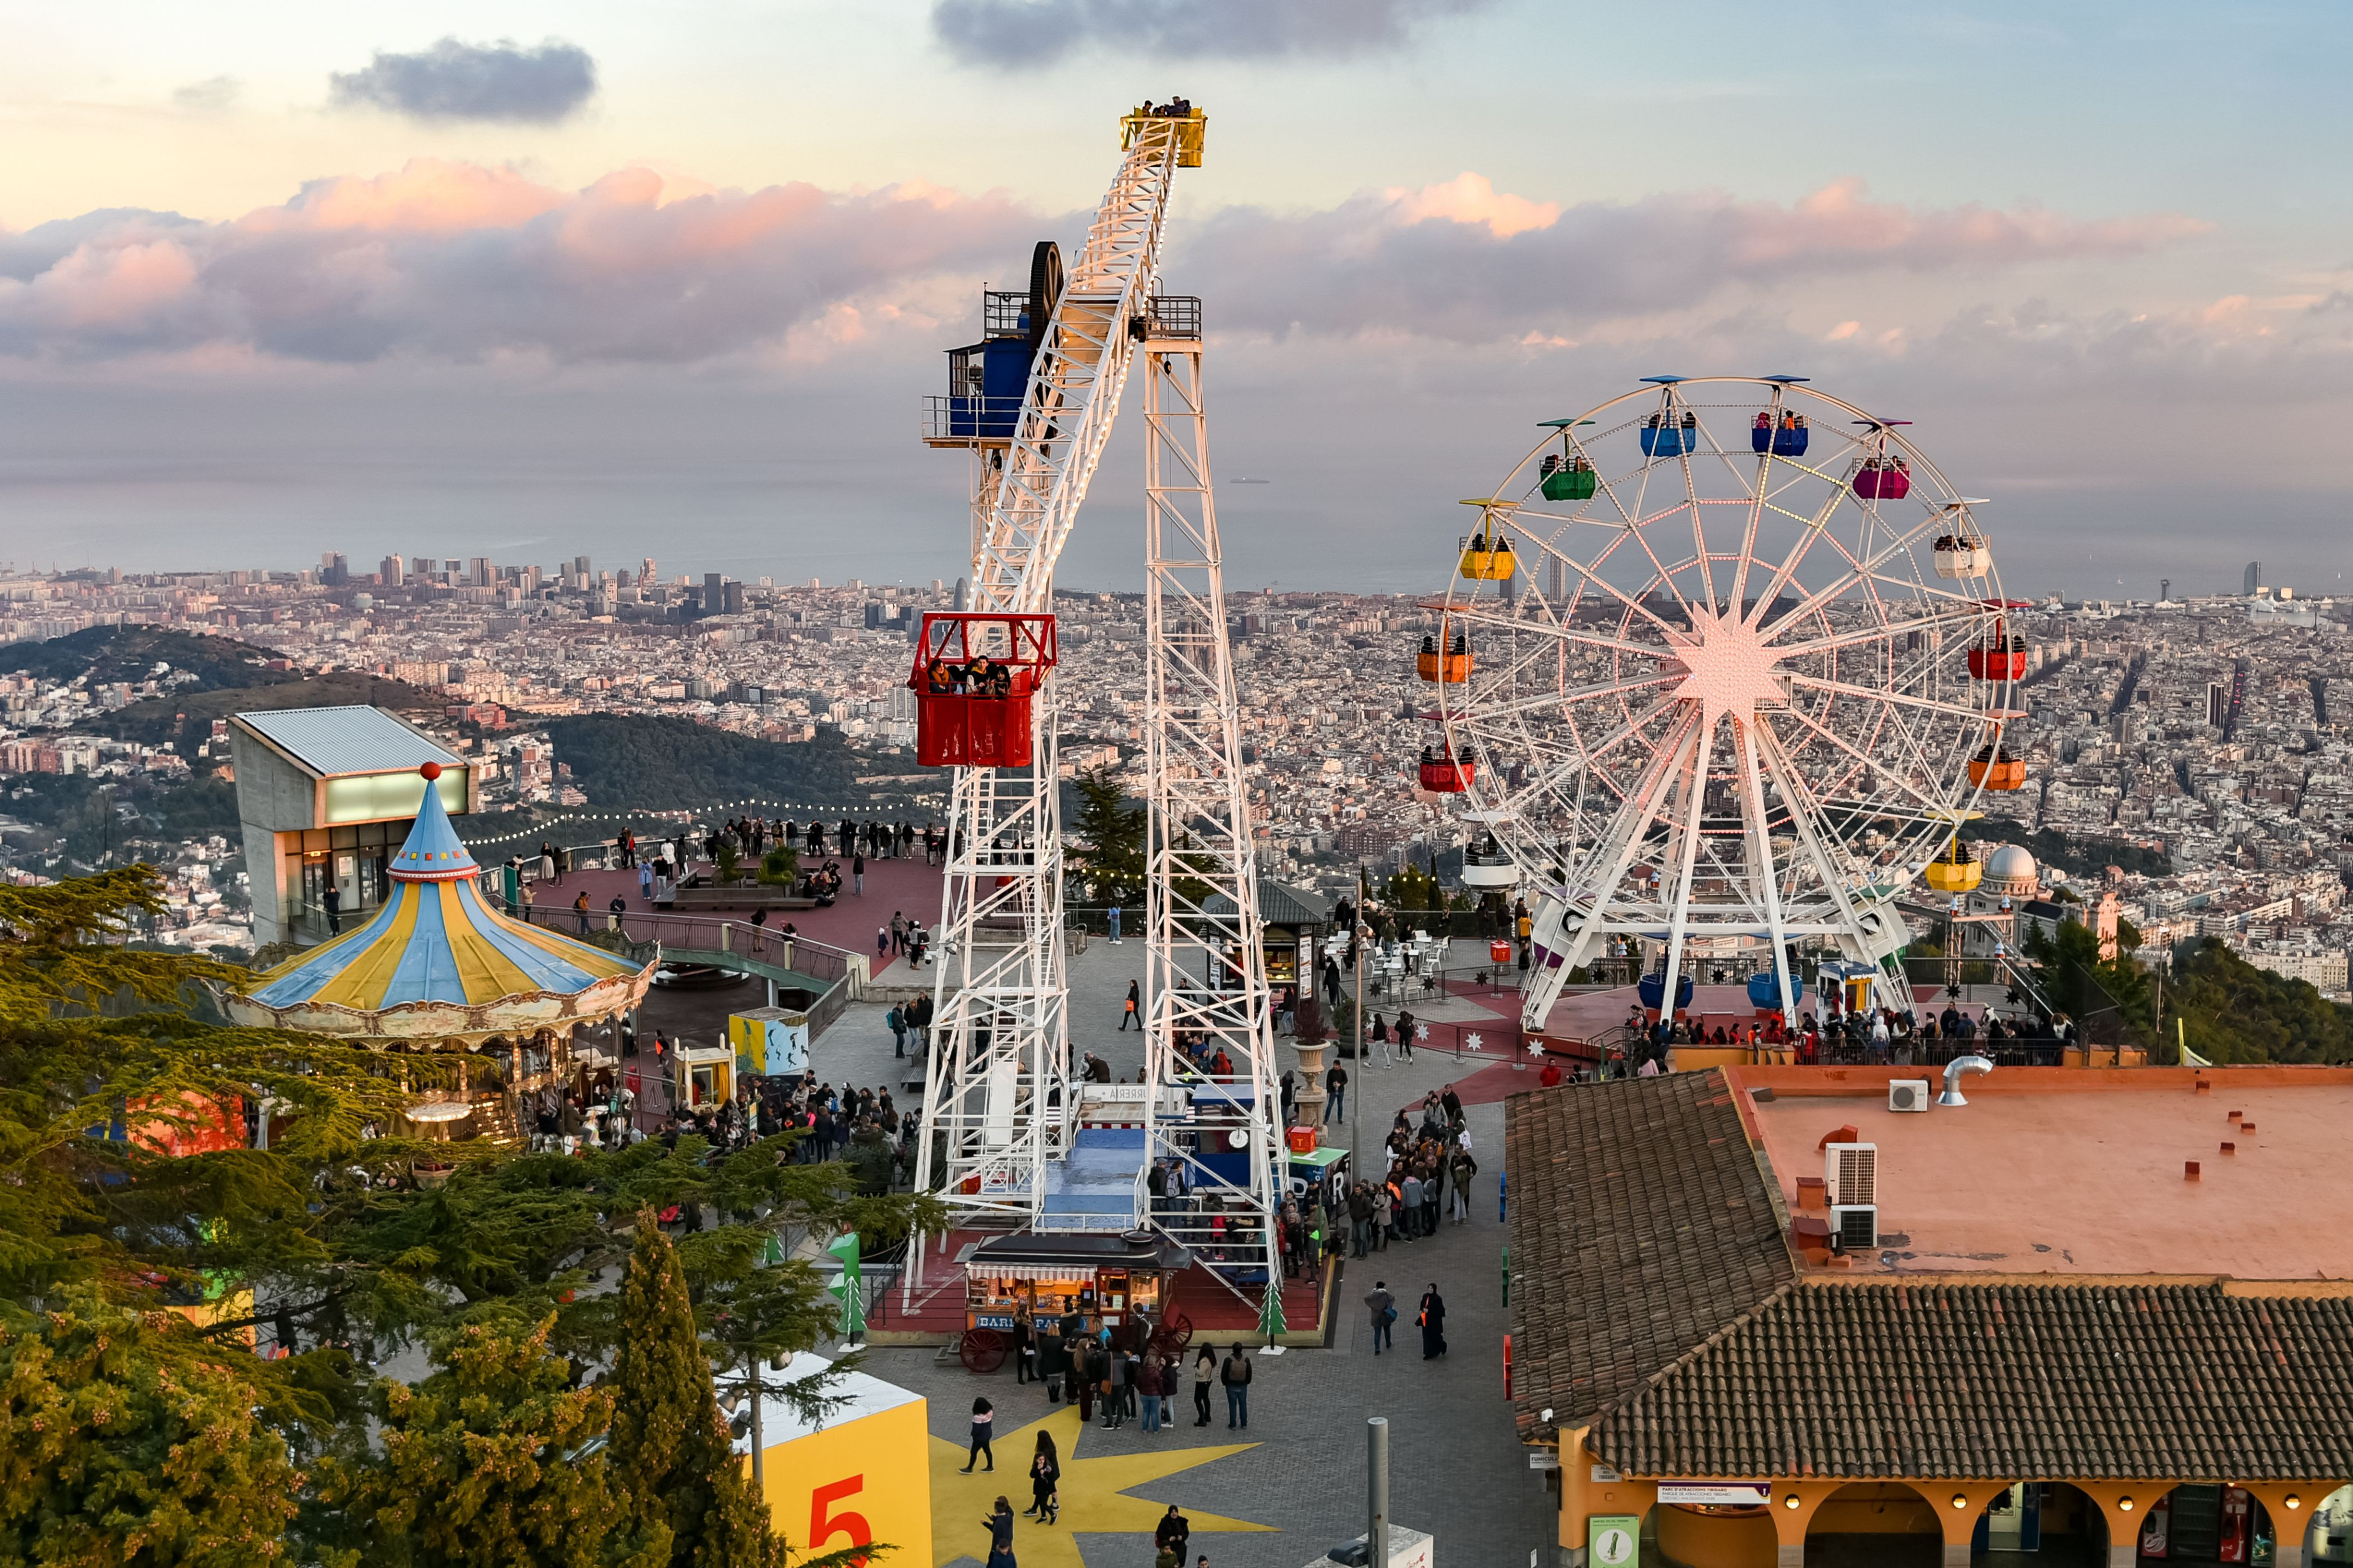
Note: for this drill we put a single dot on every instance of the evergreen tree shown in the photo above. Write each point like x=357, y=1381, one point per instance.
x=1107, y=834
x=490, y=1463
x=669, y=1439
x=125, y=1440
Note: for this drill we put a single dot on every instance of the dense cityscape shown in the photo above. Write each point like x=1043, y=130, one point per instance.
x=2198, y=730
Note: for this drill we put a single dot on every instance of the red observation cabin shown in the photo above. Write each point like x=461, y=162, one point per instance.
x=973, y=679
x=1442, y=773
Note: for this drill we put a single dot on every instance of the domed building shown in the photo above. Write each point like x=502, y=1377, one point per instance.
x=2010, y=873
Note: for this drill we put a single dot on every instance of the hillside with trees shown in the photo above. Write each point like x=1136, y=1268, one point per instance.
x=659, y=763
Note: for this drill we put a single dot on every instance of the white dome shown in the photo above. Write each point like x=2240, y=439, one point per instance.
x=2011, y=864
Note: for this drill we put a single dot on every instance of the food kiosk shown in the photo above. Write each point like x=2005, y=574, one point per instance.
x=700, y=1076
x=1117, y=1282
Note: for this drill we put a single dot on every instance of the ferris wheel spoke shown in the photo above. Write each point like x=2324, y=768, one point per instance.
x=1869, y=694
x=1859, y=569
x=1604, y=584
x=1544, y=701
x=1803, y=815
x=1839, y=742
x=1810, y=528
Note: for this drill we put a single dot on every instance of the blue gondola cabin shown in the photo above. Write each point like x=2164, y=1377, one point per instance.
x=973, y=678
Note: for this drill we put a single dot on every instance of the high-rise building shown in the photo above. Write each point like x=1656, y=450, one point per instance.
x=960, y=593
x=580, y=566
x=2217, y=702
x=714, y=593
x=2253, y=577
x=2164, y=594
x=731, y=597
x=1556, y=586
x=873, y=615
x=391, y=569
x=334, y=571
x=481, y=573
x=646, y=576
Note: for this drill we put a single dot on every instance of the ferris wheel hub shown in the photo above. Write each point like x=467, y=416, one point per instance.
x=1727, y=668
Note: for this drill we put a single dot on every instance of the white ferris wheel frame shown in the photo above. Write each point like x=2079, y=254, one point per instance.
x=1838, y=696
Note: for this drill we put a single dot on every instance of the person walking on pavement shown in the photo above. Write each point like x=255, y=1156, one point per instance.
x=1134, y=1012
x=1045, y=1473
x=858, y=875
x=1205, y=1367
x=1382, y=1305
x=984, y=1421
x=1432, y=1321
x=897, y=1021
x=333, y=901
x=1236, y=1375
x=1336, y=1089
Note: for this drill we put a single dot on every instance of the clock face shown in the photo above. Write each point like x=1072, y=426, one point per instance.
x=1613, y=1546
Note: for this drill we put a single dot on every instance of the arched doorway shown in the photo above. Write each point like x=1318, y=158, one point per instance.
x=2195, y=1526
x=2329, y=1538
x=1876, y=1524
x=2049, y=1524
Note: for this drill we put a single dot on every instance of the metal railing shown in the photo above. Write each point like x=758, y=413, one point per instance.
x=802, y=954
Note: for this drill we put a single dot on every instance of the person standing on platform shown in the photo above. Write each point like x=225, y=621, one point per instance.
x=1000, y=1536
x=1335, y=1089
x=1236, y=1375
x=1205, y=1367
x=1045, y=1473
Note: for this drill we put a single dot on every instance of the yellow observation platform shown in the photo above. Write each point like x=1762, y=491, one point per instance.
x=1192, y=129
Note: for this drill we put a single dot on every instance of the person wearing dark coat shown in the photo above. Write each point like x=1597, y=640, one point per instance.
x=1433, y=1319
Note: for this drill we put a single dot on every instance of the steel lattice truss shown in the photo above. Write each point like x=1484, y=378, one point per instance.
x=996, y=1101
x=1730, y=692
x=1205, y=961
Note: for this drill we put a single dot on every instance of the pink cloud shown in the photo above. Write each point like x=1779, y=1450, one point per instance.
x=1463, y=261
x=458, y=261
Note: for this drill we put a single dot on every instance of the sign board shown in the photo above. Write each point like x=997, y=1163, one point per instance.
x=843, y=1480
x=1614, y=1541
x=1604, y=1475
x=769, y=1041
x=1721, y=1494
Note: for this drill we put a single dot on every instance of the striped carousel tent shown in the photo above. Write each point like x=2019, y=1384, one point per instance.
x=438, y=963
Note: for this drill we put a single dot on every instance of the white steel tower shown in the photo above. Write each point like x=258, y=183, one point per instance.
x=1205, y=963
x=996, y=1104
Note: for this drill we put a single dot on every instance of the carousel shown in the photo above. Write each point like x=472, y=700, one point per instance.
x=437, y=969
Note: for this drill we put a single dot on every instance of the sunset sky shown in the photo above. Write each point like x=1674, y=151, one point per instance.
x=540, y=280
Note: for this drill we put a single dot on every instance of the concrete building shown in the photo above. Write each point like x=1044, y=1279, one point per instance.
x=325, y=795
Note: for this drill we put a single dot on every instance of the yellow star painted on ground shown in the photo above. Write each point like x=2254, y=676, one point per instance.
x=1093, y=1500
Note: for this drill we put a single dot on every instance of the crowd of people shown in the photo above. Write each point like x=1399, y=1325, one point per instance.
x=1877, y=1036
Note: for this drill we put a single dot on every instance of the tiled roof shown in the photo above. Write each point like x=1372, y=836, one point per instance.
x=1280, y=904
x=1640, y=1224
x=1965, y=1382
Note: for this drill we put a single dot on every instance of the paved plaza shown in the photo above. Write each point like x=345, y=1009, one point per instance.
x=1456, y=1466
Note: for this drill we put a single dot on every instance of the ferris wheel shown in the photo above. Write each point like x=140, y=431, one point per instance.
x=1723, y=657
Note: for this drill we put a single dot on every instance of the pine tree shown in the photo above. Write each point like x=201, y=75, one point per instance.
x=125, y=1440
x=669, y=1439
x=491, y=1463
x=1107, y=834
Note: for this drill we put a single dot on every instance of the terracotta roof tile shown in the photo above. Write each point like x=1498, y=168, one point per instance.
x=1639, y=1225
x=1964, y=1382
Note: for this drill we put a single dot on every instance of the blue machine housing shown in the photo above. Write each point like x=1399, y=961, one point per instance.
x=1003, y=367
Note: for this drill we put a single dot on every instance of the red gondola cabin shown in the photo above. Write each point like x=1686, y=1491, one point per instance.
x=1442, y=774
x=2002, y=657
x=973, y=679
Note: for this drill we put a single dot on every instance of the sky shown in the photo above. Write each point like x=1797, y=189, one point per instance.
x=540, y=280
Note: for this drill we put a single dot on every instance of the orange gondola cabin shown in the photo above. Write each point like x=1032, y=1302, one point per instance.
x=1450, y=667
x=973, y=678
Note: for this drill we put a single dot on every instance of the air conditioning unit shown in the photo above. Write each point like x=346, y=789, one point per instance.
x=1854, y=1227
x=1907, y=1094
x=1850, y=1172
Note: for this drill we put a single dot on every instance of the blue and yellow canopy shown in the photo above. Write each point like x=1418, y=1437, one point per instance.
x=437, y=941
